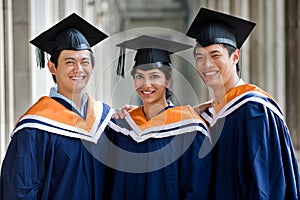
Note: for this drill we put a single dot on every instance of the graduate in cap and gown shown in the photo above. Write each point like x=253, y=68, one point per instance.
x=49, y=153
x=162, y=150
x=253, y=156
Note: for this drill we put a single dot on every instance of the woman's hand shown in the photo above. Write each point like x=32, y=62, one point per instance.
x=121, y=114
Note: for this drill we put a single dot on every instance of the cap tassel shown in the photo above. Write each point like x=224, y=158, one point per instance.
x=40, y=58
x=121, y=63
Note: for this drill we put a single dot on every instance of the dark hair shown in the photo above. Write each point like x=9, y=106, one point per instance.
x=54, y=58
x=166, y=68
x=230, y=49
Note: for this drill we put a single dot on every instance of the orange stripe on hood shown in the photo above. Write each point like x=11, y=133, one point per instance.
x=234, y=92
x=49, y=108
x=171, y=115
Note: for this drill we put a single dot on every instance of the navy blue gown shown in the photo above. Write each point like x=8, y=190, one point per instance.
x=164, y=158
x=44, y=161
x=253, y=155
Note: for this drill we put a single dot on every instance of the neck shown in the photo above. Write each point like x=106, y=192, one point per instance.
x=76, y=97
x=220, y=92
x=151, y=110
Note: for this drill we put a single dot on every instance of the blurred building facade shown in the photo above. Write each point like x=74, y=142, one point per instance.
x=270, y=57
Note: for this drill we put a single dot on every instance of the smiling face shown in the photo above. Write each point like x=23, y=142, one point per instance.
x=216, y=67
x=72, y=72
x=151, y=86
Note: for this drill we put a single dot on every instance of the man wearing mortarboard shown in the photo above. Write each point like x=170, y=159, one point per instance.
x=162, y=147
x=47, y=157
x=253, y=155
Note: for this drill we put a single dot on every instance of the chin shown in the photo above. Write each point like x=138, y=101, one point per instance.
x=78, y=89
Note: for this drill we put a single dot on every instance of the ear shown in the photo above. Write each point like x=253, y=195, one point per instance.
x=236, y=56
x=168, y=82
x=51, y=67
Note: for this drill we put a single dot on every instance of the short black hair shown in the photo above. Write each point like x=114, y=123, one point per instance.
x=231, y=50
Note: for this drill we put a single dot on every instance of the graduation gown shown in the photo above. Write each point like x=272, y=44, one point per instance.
x=166, y=157
x=253, y=155
x=49, y=154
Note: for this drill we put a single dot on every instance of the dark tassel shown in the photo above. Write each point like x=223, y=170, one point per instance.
x=121, y=63
x=40, y=58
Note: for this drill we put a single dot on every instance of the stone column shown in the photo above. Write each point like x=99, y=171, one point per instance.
x=21, y=56
x=292, y=62
x=267, y=68
x=2, y=86
x=6, y=76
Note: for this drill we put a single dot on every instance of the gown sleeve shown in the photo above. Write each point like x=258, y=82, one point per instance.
x=23, y=167
x=274, y=165
x=195, y=168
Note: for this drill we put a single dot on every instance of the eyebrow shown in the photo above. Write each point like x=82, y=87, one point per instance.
x=155, y=73
x=211, y=52
x=214, y=51
x=149, y=73
x=72, y=58
x=69, y=58
x=198, y=53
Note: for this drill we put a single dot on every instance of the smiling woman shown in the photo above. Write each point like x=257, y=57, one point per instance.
x=157, y=144
x=151, y=87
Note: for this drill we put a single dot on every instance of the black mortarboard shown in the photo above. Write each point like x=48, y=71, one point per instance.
x=212, y=27
x=71, y=33
x=149, y=50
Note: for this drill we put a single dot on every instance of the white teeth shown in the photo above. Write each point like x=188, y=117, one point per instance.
x=77, y=78
x=210, y=73
x=147, y=92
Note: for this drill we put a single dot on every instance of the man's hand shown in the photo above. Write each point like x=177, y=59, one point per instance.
x=201, y=107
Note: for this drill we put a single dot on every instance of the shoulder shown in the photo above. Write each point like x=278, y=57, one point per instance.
x=254, y=98
x=99, y=108
x=96, y=103
x=184, y=113
x=31, y=137
x=44, y=103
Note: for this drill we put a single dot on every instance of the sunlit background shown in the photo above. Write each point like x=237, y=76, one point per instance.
x=270, y=57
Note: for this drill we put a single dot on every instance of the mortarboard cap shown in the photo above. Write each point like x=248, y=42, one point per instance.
x=71, y=33
x=212, y=27
x=149, y=50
